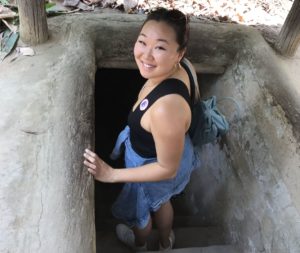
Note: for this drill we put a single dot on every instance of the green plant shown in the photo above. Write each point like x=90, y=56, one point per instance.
x=4, y=2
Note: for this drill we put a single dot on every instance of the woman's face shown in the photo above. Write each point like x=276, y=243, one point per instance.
x=156, y=50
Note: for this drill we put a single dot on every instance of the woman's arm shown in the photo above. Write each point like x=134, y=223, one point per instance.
x=105, y=173
x=169, y=120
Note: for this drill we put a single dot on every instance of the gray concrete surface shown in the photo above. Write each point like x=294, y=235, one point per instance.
x=248, y=184
x=210, y=249
x=187, y=237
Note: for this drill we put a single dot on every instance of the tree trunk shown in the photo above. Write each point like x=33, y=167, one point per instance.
x=289, y=36
x=33, y=21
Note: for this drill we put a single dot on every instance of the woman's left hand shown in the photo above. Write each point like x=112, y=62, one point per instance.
x=97, y=167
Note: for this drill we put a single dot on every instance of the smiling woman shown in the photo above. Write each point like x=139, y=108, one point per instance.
x=159, y=155
x=156, y=52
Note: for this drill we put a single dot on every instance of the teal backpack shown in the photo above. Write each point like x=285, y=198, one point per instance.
x=208, y=123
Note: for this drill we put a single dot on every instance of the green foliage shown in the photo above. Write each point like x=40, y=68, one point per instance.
x=48, y=5
x=4, y=2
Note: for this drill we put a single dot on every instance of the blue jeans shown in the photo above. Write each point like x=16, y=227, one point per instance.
x=137, y=200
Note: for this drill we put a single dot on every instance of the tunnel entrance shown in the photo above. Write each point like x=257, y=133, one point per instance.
x=204, y=216
x=116, y=90
x=248, y=185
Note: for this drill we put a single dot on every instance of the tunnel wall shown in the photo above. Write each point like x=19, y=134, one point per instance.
x=47, y=121
x=250, y=182
x=47, y=199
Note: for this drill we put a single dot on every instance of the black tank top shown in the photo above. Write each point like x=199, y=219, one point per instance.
x=141, y=140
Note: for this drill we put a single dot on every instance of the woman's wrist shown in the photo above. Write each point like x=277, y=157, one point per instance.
x=114, y=175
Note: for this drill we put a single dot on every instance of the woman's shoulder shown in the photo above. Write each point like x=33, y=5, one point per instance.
x=172, y=94
x=174, y=85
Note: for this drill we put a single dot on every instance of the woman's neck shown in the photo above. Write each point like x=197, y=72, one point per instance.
x=151, y=82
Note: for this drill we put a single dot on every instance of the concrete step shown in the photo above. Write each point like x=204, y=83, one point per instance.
x=109, y=222
x=107, y=242
x=184, y=237
x=191, y=221
x=197, y=236
x=210, y=249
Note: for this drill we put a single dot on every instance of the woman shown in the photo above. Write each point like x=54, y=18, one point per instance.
x=159, y=156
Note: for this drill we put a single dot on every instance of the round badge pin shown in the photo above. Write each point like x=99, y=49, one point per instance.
x=144, y=104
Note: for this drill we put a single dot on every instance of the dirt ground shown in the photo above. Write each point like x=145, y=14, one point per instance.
x=267, y=16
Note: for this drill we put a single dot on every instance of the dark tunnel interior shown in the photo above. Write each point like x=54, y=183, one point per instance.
x=116, y=90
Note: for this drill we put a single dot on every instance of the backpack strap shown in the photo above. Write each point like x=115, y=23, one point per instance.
x=192, y=83
x=187, y=65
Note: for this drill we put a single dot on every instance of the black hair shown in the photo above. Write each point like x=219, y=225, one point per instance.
x=174, y=18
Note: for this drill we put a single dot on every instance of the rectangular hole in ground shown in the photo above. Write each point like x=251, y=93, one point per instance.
x=116, y=90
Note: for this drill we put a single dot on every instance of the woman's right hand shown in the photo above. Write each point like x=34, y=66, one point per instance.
x=97, y=167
